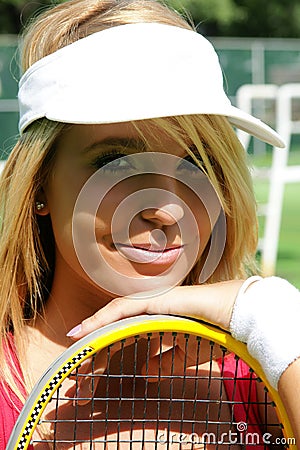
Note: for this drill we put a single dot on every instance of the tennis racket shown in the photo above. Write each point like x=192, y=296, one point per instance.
x=153, y=383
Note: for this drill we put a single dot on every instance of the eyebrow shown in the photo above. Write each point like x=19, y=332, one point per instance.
x=126, y=143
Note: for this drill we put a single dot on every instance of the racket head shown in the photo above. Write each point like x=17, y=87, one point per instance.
x=148, y=328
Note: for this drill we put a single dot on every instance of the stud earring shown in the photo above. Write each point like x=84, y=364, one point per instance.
x=39, y=206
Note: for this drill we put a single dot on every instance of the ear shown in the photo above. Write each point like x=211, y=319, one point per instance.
x=41, y=206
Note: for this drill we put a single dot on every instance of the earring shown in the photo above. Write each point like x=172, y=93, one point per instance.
x=39, y=206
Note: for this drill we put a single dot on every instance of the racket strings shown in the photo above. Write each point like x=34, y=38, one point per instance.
x=156, y=397
x=196, y=385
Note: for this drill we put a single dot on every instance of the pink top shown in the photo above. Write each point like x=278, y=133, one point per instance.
x=10, y=404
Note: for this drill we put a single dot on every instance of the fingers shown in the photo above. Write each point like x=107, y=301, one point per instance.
x=87, y=378
x=158, y=357
x=170, y=356
x=117, y=309
x=167, y=363
x=173, y=354
x=88, y=375
x=213, y=303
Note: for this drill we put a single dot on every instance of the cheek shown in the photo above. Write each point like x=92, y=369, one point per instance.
x=199, y=218
x=61, y=194
x=204, y=227
x=119, y=207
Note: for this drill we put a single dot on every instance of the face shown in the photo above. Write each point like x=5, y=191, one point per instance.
x=127, y=216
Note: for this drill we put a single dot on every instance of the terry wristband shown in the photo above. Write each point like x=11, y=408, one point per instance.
x=266, y=317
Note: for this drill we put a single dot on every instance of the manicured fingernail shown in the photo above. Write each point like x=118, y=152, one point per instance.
x=74, y=331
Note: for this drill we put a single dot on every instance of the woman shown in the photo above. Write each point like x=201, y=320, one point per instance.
x=123, y=117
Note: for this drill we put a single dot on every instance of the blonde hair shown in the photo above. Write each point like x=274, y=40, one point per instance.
x=27, y=245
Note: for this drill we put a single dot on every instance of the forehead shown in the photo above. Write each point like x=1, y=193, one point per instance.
x=145, y=136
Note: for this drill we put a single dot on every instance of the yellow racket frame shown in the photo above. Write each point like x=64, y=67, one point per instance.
x=102, y=338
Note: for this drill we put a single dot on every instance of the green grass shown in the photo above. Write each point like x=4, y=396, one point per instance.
x=288, y=261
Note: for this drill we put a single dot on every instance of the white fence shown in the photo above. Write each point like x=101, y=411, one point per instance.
x=280, y=173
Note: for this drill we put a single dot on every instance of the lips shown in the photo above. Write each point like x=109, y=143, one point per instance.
x=146, y=254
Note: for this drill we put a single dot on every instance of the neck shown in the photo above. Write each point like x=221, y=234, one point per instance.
x=72, y=299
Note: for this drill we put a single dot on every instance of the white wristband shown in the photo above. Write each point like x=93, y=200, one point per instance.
x=266, y=317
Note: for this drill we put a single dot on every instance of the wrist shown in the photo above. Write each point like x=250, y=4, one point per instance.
x=266, y=317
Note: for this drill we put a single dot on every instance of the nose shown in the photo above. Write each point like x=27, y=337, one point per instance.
x=161, y=201
x=168, y=214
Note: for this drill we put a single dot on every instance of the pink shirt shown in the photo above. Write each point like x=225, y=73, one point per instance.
x=10, y=404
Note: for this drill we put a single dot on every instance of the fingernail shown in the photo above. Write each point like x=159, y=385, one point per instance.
x=74, y=331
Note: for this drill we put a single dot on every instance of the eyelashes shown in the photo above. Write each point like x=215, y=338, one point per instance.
x=114, y=161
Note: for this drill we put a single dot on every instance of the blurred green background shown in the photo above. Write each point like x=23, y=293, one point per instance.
x=288, y=257
x=257, y=42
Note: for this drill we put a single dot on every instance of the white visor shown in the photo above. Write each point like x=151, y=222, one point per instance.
x=132, y=72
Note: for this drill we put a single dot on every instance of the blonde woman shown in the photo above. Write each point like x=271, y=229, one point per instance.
x=122, y=106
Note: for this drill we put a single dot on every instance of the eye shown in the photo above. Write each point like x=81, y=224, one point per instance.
x=112, y=162
x=189, y=165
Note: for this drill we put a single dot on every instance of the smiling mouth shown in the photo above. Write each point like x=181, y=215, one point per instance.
x=146, y=254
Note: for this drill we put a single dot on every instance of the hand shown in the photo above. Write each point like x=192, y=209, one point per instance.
x=209, y=302
x=213, y=302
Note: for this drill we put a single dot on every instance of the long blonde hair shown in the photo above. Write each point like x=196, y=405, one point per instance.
x=27, y=245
